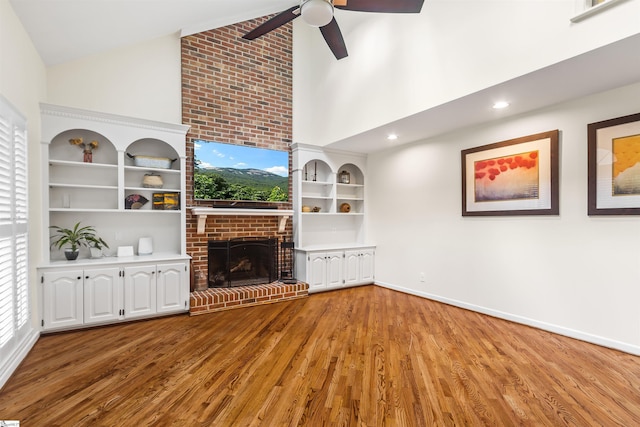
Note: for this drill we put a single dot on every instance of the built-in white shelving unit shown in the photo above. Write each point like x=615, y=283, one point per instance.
x=329, y=218
x=91, y=291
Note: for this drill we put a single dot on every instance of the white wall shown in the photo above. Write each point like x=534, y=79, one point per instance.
x=572, y=274
x=142, y=80
x=399, y=65
x=23, y=83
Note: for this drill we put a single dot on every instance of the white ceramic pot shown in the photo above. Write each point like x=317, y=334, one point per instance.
x=96, y=253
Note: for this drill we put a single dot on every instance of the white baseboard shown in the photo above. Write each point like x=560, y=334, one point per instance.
x=14, y=360
x=560, y=330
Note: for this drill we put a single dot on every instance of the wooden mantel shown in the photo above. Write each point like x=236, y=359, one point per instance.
x=202, y=213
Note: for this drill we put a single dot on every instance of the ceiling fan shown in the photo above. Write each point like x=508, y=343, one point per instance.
x=319, y=13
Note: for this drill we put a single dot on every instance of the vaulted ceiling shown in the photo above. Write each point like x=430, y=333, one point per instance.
x=63, y=30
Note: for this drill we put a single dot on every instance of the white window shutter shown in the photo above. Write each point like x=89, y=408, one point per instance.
x=7, y=296
x=14, y=286
x=5, y=170
x=20, y=174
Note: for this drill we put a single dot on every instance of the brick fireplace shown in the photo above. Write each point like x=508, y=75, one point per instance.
x=238, y=92
x=205, y=299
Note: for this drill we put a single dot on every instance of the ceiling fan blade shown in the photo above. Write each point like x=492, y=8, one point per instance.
x=273, y=23
x=333, y=36
x=383, y=6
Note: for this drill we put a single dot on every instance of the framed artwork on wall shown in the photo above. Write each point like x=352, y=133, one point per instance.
x=614, y=166
x=514, y=177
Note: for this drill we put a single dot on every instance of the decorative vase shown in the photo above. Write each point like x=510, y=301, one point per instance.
x=96, y=252
x=71, y=255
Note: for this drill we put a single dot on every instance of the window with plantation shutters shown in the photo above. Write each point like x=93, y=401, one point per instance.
x=14, y=297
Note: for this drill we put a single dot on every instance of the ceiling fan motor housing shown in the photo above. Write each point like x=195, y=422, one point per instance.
x=317, y=13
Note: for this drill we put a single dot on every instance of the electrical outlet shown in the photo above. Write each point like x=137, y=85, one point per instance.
x=422, y=277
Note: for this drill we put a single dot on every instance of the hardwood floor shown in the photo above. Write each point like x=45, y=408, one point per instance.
x=364, y=356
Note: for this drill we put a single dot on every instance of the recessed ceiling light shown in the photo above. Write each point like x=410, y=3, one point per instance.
x=500, y=105
x=392, y=136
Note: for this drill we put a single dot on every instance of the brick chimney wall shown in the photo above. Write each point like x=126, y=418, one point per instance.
x=235, y=91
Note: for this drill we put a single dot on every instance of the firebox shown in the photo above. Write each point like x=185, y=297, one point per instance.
x=242, y=262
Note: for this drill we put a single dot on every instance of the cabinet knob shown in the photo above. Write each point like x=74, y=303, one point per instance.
x=79, y=277
x=86, y=277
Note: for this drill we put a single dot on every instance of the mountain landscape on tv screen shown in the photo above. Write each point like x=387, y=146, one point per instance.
x=240, y=184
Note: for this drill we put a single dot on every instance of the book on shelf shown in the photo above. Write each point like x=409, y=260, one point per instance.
x=166, y=201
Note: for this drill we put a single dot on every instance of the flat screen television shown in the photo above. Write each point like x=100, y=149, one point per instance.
x=229, y=172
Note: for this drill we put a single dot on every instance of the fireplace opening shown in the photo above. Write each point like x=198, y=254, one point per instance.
x=242, y=262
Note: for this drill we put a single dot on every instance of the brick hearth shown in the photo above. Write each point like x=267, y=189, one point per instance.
x=217, y=299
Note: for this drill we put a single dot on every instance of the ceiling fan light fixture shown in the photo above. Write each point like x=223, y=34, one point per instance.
x=317, y=13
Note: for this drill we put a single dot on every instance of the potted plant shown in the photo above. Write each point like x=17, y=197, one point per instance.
x=74, y=238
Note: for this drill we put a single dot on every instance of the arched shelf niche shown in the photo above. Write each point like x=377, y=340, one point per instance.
x=152, y=170
x=61, y=147
x=349, y=189
x=317, y=188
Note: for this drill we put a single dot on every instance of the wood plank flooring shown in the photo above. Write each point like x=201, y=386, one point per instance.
x=364, y=356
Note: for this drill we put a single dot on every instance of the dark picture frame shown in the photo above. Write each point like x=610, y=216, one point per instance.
x=614, y=166
x=514, y=177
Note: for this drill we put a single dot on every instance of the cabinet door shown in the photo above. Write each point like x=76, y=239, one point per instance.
x=102, y=295
x=316, y=270
x=367, y=266
x=62, y=305
x=139, y=291
x=334, y=269
x=172, y=288
x=351, y=268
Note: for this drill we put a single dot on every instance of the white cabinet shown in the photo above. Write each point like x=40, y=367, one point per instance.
x=367, y=266
x=172, y=295
x=330, y=218
x=102, y=295
x=358, y=266
x=139, y=291
x=94, y=166
x=63, y=299
x=154, y=289
x=119, y=291
x=325, y=270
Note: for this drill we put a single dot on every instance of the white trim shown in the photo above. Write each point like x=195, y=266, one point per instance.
x=203, y=212
x=589, y=11
x=560, y=330
x=96, y=116
x=17, y=356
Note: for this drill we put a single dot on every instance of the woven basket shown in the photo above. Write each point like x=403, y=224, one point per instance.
x=152, y=181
